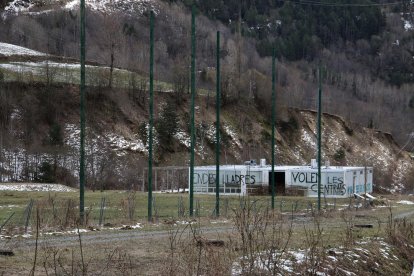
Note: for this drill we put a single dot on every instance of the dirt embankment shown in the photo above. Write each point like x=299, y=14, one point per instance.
x=116, y=133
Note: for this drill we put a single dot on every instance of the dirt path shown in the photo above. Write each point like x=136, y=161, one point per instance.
x=95, y=238
x=105, y=237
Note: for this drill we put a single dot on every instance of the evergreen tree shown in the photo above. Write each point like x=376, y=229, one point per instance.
x=167, y=125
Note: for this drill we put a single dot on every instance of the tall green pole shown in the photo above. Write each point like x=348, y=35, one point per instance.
x=218, y=126
x=273, y=125
x=151, y=119
x=82, y=115
x=319, y=137
x=192, y=110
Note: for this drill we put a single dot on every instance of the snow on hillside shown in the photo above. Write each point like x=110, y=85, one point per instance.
x=399, y=173
x=136, y=6
x=14, y=50
x=123, y=144
x=38, y=67
x=309, y=139
x=407, y=25
x=18, y=6
x=106, y=6
x=120, y=144
x=21, y=165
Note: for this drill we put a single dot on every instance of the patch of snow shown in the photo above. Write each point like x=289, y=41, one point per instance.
x=18, y=6
x=183, y=138
x=34, y=187
x=72, y=135
x=308, y=139
x=69, y=232
x=382, y=155
x=132, y=7
x=15, y=114
x=72, y=4
x=185, y=222
x=218, y=221
x=110, y=6
x=172, y=191
x=406, y=202
x=136, y=226
x=398, y=176
x=408, y=25
x=229, y=131
x=10, y=206
x=7, y=49
x=288, y=262
x=117, y=142
x=35, y=66
x=122, y=144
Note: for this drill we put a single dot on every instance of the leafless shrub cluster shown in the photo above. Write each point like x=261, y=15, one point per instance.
x=257, y=246
x=192, y=253
x=128, y=204
x=59, y=214
x=262, y=237
x=263, y=242
x=54, y=260
x=315, y=243
x=400, y=233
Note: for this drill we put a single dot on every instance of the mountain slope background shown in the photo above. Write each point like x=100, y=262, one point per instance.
x=366, y=80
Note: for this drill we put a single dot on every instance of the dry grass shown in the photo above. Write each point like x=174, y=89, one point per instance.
x=262, y=242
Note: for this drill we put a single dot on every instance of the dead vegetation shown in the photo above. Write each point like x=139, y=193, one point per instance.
x=261, y=241
x=265, y=242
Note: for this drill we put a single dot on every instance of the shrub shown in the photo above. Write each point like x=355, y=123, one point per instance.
x=291, y=125
x=339, y=154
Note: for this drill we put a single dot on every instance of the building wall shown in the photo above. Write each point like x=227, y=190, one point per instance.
x=335, y=183
x=230, y=182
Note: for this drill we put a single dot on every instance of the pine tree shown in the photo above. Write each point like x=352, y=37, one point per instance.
x=167, y=125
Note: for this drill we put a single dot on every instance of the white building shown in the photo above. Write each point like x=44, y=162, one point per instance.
x=303, y=180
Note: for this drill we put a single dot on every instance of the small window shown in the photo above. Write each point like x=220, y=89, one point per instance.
x=354, y=173
x=362, y=172
x=370, y=171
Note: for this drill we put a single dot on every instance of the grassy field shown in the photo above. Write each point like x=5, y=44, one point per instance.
x=96, y=76
x=248, y=228
x=126, y=207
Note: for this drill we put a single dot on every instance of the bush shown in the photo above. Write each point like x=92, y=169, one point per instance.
x=55, y=135
x=265, y=135
x=143, y=133
x=339, y=155
x=47, y=173
x=167, y=125
x=291, y=125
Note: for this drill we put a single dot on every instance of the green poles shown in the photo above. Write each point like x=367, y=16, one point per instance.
x=192, y=110
x=273, y=126
x=319, y=137
x=218, y=126
x=151, y=119
x=82, y=115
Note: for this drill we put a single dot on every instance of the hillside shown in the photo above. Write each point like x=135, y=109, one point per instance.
x=369, y=69
x=40, y=137
x=40, y=94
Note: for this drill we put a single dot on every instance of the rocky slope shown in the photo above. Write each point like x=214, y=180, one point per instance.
x=33, y=146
